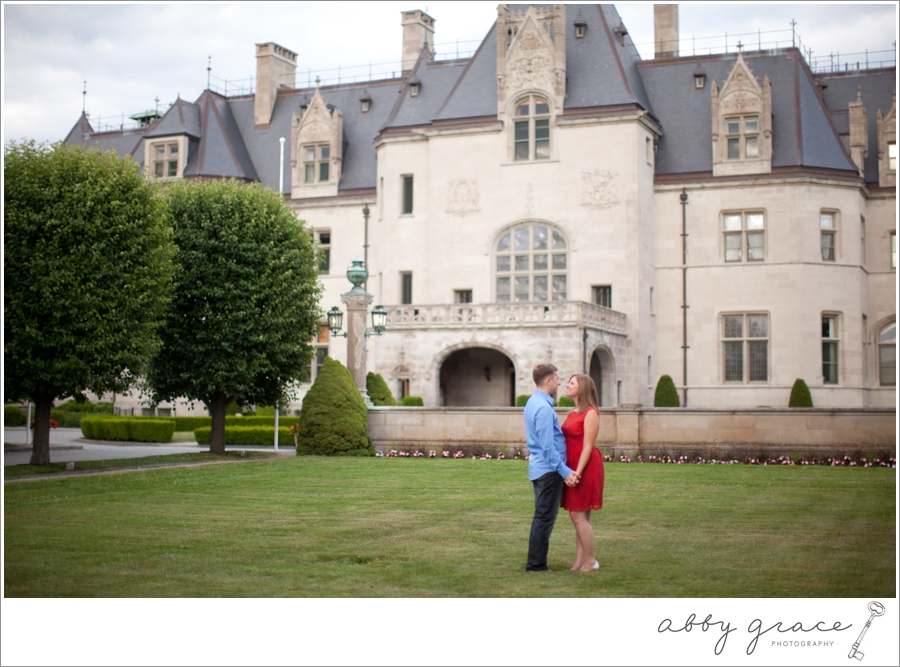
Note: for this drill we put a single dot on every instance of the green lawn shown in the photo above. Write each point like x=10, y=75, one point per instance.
x=333, y=527
x=143, y=461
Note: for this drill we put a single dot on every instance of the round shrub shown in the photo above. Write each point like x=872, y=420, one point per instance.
x=13, y=416
x=521, y=400
x=566, y=402
x=414, y=401
x=800, y=396
x=666, y=395
x=334, y=418
x=378, y=390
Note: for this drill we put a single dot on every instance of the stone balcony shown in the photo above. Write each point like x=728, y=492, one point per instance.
x=576, y=314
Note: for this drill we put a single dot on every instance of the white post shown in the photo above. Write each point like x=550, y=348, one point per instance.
x=276, y=426
x=28, y=424
x=281, y=169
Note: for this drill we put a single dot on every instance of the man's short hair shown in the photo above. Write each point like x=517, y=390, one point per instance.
x=541, y=372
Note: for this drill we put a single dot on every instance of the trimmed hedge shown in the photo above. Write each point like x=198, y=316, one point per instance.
x=247, y=435
x=334, y=416
x=666, y=395
x=127, y=429
x=85, y=407
x=13, y=416
x=414, y=401
x=378, y=390
x=522, y=399
x=566, y=402
x=800, y=396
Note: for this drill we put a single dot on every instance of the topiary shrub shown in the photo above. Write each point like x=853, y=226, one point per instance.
x=666, y=395
x=124, y=429
x=13, y=416
x=378, y=390
x=151, y=430
x=521, y=400
x=413, y=401
x=566, y=402
x=334, y=419
x=800, y=396
x=247, y=435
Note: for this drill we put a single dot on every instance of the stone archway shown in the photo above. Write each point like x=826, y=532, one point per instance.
x=477, y=377
x=603, y=373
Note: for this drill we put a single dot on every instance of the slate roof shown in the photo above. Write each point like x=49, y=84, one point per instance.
x=877, y=88
x=601, y=72
x=800, y=136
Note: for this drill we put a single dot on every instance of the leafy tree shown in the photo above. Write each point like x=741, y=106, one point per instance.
x=800, y=396
x=378, y=390
x=666, y=395
x=334, y=419
x=245, y=305
x=88, y=267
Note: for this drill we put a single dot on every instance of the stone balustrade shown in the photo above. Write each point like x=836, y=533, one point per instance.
x=507, y=315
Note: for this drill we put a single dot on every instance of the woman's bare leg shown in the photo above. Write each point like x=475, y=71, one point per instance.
x=585, y=535
x=579, y=549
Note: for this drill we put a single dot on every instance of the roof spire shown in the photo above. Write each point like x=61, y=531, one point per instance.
x=84, y=97
x=208, y=69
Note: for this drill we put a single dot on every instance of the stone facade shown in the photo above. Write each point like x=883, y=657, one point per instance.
x=527, y=206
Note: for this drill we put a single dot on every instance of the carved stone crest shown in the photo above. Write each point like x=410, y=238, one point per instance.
x=599, y=189
x=462, y=197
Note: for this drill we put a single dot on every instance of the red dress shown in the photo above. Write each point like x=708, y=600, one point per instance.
x=588, y=495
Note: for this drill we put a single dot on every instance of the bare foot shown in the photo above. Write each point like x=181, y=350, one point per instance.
x=576, y=567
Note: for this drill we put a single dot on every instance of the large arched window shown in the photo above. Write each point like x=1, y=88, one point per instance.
x=532, y=128
x=887, y=355
x=531, y=264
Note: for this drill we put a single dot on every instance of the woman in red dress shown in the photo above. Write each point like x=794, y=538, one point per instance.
x=580, y=430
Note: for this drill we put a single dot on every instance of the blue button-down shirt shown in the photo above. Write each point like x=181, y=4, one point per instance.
x=546, y=443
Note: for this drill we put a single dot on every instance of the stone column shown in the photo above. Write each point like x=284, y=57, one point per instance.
x=357, y=301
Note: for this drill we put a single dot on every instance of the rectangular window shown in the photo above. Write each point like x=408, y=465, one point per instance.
x=744, y=230
x=173, y=168
x=887, y=355
x=316, y=163
x=315, y=368
x=521, y=140
x=158, y=170
x=745, y=347
x=742, y=137
x=406, y=288
x=165, y=160
x=829, y=349
x=542, y=139
x=407, y=195
x=324, y=252
x=404, y=388
x=462, y=296
x=827, y=227
x=892, y=156
x=603, y=295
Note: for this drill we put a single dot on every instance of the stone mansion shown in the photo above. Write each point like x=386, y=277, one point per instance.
x=728, y=220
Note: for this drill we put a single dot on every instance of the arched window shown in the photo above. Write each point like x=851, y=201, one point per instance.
x=887, y=355
x=531, y=264
x=532, y=128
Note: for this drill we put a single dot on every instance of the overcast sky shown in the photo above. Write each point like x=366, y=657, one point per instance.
x=131, y=54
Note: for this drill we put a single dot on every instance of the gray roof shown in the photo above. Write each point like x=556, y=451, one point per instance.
x=685, y=113
x=877, y=89
x=601, y=72
x=181, y=118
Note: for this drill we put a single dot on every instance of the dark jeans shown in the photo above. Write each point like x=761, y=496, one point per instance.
x=547, y=494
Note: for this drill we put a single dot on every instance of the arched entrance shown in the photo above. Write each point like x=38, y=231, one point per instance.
x=477, y=377
x=602, y=372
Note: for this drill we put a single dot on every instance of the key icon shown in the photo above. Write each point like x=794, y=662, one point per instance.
x=876, y=609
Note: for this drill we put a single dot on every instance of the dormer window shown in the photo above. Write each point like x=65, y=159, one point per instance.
x=892, y=157
x=742, y=136
x=699, y=78
x=165, y=159
x=532, y=128
x=316, y=156
x=365, y=102
x=414, y=86
x=621, y=31
x=580, y=26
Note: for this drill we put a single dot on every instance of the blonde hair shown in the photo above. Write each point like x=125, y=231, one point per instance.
x=587, y=394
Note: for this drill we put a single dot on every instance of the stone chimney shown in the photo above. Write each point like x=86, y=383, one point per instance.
x=275, y=67
x=665, y=31
x=859, y=132
x=418, y=30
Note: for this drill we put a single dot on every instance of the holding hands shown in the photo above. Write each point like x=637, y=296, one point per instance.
x=573, y=479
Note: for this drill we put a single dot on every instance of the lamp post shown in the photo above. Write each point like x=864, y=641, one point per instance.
x=357, y=301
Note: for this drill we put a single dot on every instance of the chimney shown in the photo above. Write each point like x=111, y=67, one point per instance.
x=665, y=31
x=275, y=67
x=418, y=30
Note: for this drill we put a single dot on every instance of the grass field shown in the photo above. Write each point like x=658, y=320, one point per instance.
x=332, y=527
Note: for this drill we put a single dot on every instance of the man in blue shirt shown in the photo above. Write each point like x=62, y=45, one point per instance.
x=547, y=467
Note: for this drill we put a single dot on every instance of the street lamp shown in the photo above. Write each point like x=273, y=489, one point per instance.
x=357, y=301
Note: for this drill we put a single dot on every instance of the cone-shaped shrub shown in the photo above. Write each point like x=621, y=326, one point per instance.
x=522, y=399
x=666, y=395
x=378, y=390
x=800, y=397
x=412, y=401
x=334, y=417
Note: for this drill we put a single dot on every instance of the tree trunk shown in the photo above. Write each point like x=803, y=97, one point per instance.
x=217, y=405
x=40, y=445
